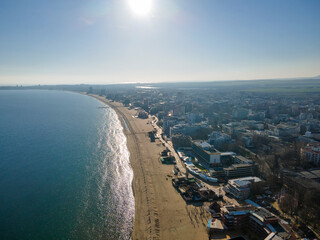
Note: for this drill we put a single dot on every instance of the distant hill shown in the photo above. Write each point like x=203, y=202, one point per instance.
x=316, y=77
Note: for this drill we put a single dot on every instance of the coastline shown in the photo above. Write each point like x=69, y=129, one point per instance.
x=160, y=212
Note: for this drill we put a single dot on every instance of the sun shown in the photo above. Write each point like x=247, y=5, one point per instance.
x=141, y=7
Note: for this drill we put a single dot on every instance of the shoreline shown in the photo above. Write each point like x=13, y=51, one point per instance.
x=160, y=211
x=128, y=131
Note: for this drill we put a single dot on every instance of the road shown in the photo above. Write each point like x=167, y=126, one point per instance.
x=169, y=146
x=181, y=165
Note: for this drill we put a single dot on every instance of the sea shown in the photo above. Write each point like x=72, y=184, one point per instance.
x=64, y=168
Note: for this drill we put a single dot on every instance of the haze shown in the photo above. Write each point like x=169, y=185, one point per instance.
x=113, y=41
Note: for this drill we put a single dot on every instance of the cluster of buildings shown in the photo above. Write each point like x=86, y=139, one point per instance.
x=240, y=115
x=222, y=164
x=225, y=124
x=258, y=220
x=192, y=190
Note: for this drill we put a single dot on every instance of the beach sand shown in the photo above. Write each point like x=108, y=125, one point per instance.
x=160, y=211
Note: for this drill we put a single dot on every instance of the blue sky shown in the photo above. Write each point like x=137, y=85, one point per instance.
x=104, y=41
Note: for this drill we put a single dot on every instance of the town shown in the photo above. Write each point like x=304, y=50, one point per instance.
x=251, y=157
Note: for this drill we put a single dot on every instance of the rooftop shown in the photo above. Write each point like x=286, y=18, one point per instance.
x=249, y=179
x=252, y=203
x=263, y=214
x=208, y=148
x=243, y=159
x=228, y=154
x=242, y=183
x=309, y=175
x=215, y=224
x=316, y=172
x=239, y=165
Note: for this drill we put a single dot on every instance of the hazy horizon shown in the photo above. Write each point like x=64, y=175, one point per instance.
x=103, y=42
x=157, y=82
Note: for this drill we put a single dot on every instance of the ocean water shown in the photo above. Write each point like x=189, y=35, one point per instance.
x=64, y=168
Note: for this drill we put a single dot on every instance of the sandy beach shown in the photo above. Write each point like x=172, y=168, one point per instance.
x=160, y=212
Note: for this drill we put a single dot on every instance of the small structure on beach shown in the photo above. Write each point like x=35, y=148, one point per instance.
x=152, y=136
x=192, y=191
x=143, y=114
x=168, y=160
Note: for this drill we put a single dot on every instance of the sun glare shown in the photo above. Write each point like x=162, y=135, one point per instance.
x=141, y=7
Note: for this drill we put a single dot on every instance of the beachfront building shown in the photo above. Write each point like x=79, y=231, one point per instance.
x=222, y=164
x=206, y=154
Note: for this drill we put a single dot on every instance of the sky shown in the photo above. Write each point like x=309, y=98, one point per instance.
x=109, y=41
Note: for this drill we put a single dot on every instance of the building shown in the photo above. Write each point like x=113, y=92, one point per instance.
x=227, y=158
x=247, y=140
x=240, y=187
x=240, y=113
x=215, y=225
x=206, y=154
x=187, y=129
x=236, y=217
x=222, y=164
x=311, y=152
x=261, y=220
x=218, y=138
x=217, y=172
x=268, y=226
x=239, y=170
x=178, y=110
x=230, y=127
x=273, y=236
x=169, y=122
x=195, y=117
x=284, y=130
x=297, y=183
x=258, y=219
x=241, y=159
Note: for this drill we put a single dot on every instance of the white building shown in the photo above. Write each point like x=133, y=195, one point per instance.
x=311, y=152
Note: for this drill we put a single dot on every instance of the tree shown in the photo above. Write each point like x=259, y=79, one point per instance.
x=202, y=133
x=180, y=140
x=286, y=204
x=257, y=188
x=126, y=102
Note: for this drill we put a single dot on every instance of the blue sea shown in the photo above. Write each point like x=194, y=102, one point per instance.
x=64, y=168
